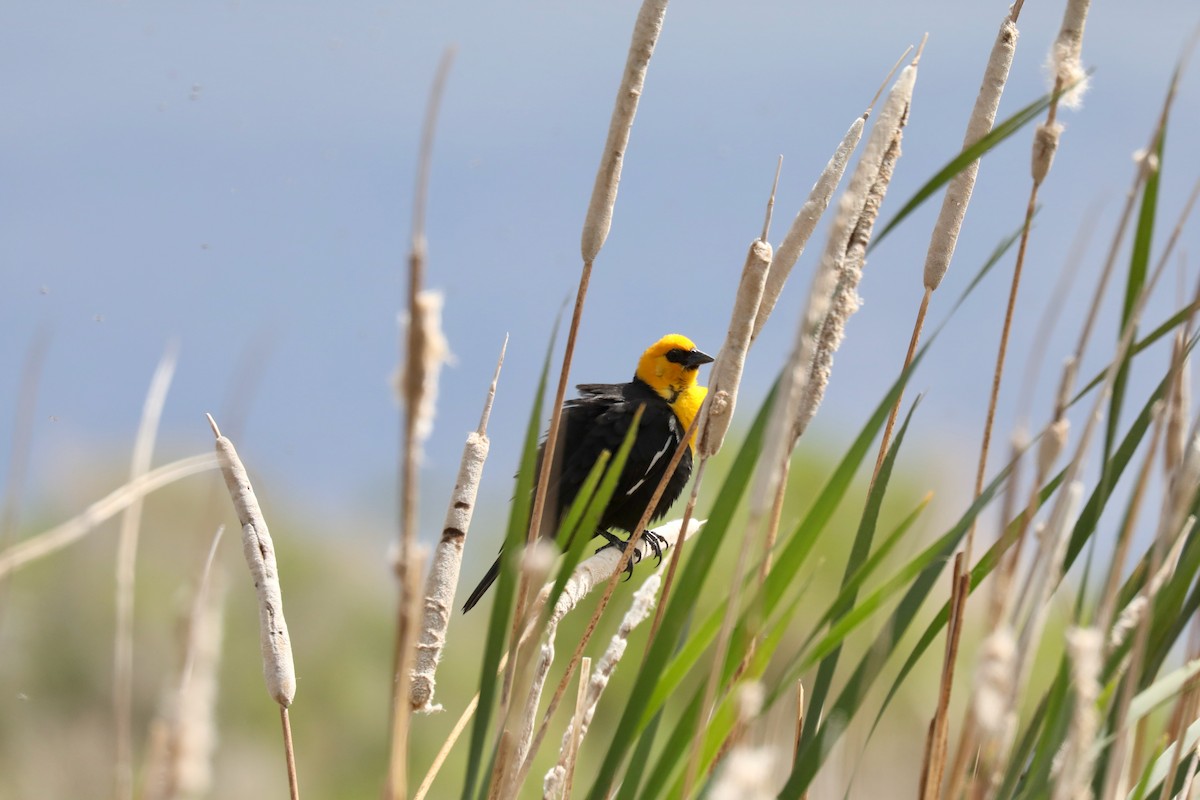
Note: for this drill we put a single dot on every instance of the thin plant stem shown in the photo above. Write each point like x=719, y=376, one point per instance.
x=289, y=754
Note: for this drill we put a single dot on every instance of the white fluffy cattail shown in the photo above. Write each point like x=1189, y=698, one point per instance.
x=993, y=681
x=417, y=383
x=1085, y=649
x=639, y=610
x=1065, y=62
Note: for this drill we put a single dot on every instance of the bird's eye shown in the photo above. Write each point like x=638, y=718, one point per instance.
x=677, y=355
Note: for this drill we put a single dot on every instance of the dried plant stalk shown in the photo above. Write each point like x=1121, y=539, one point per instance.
x=184, y=736
x=126, y=574
x=805, y=222
x=447, y=560
x=74, y=529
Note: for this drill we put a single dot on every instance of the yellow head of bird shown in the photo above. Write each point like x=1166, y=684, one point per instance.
x=669, y=367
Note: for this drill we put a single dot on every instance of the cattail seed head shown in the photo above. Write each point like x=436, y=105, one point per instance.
x=1066, y=55
x=993, y=680
x=275, y=644
x=727, y=371
x=1045, y=144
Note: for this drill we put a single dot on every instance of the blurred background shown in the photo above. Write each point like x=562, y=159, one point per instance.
x=237, y=178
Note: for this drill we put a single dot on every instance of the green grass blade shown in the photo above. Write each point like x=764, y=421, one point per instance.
x=848, y=595
x=637, y=712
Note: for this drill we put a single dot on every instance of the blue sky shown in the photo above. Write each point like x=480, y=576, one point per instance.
x=238, y=177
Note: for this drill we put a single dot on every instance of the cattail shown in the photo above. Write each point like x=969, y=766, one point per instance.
x=447, y=561
x=993, y=681
x=604, y=193
x=747, y=774
x=844, y=254
x=805, y=223
x=259, y=551
x=1085, y=652
x=1052, y=444
x=958, y=193
x=1065, y=61
x=417, y=382
x=1045, y=145
x=727, y=371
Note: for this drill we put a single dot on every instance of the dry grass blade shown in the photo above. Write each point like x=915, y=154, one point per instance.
x=274, y=642
x=74, y=529
x=126, y=571
x=447, y=560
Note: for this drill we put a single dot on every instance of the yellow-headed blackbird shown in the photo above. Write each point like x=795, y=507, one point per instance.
x=597, y=420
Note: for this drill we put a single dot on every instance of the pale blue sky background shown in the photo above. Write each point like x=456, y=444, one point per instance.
x=239, y=176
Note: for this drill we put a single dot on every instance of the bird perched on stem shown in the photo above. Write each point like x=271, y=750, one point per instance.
x=665, y=385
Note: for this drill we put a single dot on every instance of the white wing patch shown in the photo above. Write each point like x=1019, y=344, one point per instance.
x=670, y=441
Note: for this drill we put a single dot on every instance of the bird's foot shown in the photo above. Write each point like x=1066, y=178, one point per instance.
x=618, y=543
x=657, y=545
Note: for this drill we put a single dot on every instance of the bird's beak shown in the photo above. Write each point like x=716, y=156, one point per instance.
x=695, y=358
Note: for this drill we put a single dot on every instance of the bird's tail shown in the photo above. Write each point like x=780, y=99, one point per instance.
x=483, y=586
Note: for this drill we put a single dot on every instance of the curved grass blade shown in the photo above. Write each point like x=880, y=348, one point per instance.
x=847, y=598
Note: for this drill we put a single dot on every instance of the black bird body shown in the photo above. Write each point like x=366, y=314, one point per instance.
x=599, y=419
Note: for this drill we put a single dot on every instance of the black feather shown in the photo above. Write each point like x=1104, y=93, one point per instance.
x=598, y=420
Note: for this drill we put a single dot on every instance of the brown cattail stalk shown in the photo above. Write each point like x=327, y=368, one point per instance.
x=1044, y=147
x=447, y=560
x=423, y=351
x=274, y=642
x=596, y=225
x=935, y=756
x=944, y=238
x=74, y=529
x=126, y=574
